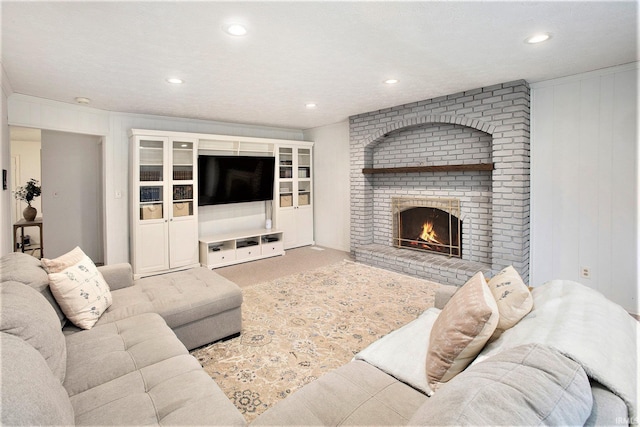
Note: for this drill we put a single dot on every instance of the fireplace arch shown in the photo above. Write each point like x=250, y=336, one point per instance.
x=379, y=135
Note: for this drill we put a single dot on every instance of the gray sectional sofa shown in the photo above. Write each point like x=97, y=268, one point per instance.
x=132, y=368
x=529, y=384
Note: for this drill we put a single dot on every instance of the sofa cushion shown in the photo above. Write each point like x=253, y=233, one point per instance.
x=25, y=313
x=79, y=288
x=118, y=348
x=354, y=394
x=180, y=298
x=26, y=269
x=526, y=385
x=461, y=330
x=174, y=391
x=31, y=394
x=513, y=298
x=145, y=376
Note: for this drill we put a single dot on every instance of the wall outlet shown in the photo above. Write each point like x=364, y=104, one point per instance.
x=585, y=272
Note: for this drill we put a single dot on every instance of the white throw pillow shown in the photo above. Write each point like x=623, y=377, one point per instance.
x=401, y=352
x=80, y=290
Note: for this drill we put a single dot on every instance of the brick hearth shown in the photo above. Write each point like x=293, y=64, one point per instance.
x=478, y=126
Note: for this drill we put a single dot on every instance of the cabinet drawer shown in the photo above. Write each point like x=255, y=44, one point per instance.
x=248, y=252
x=221, y=257
x=272, y=248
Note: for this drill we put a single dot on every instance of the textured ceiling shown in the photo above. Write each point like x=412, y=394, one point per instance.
x=335, y=54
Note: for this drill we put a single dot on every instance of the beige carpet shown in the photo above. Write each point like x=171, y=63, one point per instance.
x=294, y=261
x=298, y=327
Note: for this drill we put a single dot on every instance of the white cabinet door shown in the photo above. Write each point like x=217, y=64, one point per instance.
x=183, y=242
x=304, y=225
x=183, y=210
x=287, y=223
x=151, y=247
x=149, y=215
x=297, y=225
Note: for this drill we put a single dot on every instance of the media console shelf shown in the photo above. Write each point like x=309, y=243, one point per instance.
x=242, y=246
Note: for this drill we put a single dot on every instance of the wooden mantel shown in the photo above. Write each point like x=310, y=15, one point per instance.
x=441, y=168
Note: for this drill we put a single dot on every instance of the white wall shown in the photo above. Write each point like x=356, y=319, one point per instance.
x=6, y=241
x=220, y=219
x=331, y=185
x=584, y=181
x=71, y=194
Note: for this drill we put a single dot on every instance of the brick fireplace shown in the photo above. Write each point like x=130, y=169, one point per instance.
x=472, y=147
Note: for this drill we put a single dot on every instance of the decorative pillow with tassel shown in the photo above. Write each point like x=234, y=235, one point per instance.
x=513, y=298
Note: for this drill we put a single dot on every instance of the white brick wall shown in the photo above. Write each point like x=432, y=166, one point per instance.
x=482, y=125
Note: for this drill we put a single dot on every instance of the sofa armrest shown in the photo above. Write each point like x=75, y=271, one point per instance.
x=443, y=295
x=117, y=276
x=607, y=409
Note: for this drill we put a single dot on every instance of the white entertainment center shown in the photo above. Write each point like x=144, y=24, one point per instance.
x=234, y=248
x=167, y=233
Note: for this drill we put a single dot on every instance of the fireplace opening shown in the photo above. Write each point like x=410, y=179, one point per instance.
x=431, y=225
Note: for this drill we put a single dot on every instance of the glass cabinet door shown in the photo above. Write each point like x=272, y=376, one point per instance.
x=304, y=163
x=182, y=161
x=151, y=175
x=285, y=166
x=294, y=177
x=286, y=162
x=182, y=175
x=304, y=176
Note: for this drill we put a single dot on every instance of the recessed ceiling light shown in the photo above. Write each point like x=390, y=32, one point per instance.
x=538, y=38
x=311, y=105
x=236, y=29
x=391, y=81
x=175, y=80
x=82, y=100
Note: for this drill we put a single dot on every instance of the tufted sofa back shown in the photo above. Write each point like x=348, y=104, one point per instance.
x=34, y=359
x=23, y=268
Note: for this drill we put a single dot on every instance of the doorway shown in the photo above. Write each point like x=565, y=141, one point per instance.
x=71, y=174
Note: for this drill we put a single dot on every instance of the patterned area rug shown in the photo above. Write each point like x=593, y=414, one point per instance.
x=299, y=327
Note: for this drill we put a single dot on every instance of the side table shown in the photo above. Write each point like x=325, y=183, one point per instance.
x=21, y=224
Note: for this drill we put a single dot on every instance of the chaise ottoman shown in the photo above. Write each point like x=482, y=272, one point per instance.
x=198, y=304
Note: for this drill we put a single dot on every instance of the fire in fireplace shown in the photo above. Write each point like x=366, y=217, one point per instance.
x=431, y=225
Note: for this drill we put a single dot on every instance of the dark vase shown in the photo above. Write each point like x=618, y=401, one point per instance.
x=29, y=213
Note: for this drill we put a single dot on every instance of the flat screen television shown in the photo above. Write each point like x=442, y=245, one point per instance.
x=234, y=179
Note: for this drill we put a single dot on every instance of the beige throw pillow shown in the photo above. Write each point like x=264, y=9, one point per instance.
x=461, y=331
x=513, y=298
x=79, y=289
